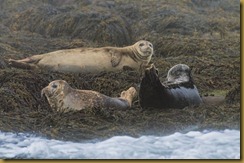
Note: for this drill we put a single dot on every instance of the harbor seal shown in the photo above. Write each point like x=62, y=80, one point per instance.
x=178, y=91
x=63, y=98
x=91, y=60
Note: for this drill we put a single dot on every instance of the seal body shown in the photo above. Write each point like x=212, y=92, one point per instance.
x=178, y=91
x=64, y=98
x=92, y=60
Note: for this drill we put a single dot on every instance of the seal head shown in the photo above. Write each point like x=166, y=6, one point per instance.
x=144, y=49
x=179, y=73
x=55, y=92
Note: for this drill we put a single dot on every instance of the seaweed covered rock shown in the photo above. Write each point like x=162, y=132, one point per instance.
x=180, y=31
x=24, y=110
x=98, y=25
x=234, y=95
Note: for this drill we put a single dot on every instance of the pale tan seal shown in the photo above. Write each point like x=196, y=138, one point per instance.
x=64, y=98
x=92, y=60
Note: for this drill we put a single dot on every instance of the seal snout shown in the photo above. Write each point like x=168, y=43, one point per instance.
x=43, y=92
x=148, y=51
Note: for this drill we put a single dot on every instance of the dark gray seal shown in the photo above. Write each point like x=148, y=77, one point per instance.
x=178, y=91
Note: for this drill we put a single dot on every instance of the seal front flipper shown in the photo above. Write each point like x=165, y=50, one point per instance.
x=115, y=58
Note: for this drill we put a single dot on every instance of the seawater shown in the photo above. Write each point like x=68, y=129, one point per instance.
x=224, y=144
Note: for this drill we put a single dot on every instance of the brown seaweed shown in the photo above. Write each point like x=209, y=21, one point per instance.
x=180, y=31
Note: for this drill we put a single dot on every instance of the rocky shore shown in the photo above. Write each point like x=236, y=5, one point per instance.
x=205, y=35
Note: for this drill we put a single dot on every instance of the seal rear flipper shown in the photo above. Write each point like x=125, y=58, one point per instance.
x=151, y=89
x=33, y=59
x=115, y=58
x=22, y=65
x=129, y=95
x=151, y=74
x=213, y=100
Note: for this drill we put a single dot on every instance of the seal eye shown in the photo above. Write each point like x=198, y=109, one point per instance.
x=54, y=86
x=150, y=45
x=141, y=44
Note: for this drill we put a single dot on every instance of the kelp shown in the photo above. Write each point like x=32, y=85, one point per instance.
x=180, y=31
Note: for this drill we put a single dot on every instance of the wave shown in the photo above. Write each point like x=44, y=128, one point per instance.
x=224, y=144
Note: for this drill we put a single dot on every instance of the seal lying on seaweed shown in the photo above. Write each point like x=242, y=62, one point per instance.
x=64, y=98
x=178, y=91
x=91, y=60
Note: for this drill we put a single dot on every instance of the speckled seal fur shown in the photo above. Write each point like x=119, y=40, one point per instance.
x=64, y=98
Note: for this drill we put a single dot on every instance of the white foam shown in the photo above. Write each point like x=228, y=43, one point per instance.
x=194, y=144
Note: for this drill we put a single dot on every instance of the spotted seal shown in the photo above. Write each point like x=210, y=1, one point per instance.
x=63, y=98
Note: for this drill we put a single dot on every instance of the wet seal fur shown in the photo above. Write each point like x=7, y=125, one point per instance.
x=177, y=92
x=63, y=98
x=91, y=60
